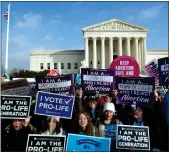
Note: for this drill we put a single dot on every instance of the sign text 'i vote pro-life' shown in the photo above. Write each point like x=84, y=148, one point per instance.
x=50, y=104
x=136, y=137
x=15, y=106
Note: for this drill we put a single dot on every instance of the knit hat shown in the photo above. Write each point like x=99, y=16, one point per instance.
x=54, y=118
x=110, y=107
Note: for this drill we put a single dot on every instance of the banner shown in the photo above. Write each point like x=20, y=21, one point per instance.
x=45, y=143
x=59, y=85
x=15, y=107
x=151, y=70
x=125, y=66
x=138, y=91
x=87, y=143
x=16, y=87
x=97, y=80
x=50, y=104
x=163, y=67
x=133, y=137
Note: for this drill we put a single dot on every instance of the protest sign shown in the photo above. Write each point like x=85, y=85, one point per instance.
x=125, y=66
x=163, y=67
x=151, y=70
x=54, y=84
x=87, y=143
x=16, y=87
x=136, y=137
x=45, y=143
x=138, y=91
x=50, y=104
x=78, y=77
x=97, y=80
x=15, y=106
x=161, y=89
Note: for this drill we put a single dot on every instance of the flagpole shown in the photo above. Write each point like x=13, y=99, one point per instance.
x=7, y=39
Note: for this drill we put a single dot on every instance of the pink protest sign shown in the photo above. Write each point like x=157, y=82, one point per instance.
x=125, y=66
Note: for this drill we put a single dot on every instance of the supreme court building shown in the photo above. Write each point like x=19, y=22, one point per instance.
x=107, y=40
x=103, y=43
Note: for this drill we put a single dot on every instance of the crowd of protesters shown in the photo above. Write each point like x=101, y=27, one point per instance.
x=93, y=115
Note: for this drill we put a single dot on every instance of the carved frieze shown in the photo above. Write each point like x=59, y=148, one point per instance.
x=114, y=26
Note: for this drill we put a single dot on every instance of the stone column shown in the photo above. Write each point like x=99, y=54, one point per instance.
x=140, y=54
x=87, y=51
x=103, y=53
x=128, y=46
x=110, y=50
x=120, y=46
x=136, y=49
x=94, y=53
x=144, y=51
x=59, y=68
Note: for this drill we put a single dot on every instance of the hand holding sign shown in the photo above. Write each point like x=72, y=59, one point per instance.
x=27, y=120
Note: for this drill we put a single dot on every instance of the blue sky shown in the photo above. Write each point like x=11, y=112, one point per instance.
x=57, y=25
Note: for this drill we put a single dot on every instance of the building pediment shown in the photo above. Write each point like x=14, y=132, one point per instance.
x=114, y=25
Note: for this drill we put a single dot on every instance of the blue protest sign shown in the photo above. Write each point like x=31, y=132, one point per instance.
x=50, y=104
x=78, y=77
x=87, y=143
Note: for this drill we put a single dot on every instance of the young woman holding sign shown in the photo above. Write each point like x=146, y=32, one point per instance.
x=107, y=124
x=54, y=127
x=84, y=125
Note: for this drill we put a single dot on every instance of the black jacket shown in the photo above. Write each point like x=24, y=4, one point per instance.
x=15, y=140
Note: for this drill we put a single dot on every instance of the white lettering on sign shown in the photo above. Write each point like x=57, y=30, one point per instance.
x=55, y=99
x=54, y=85
x=17, y=114
x=134, y=99
x=49, y=103
x=56, y=107
x=98, y=83
x=124, y=62
x=134, y=145
x=164, y=67
x=98, y=78
x=124, y=68
x=40, y=149
x=131, y=87
x=129, y=73
x=139, y=93
x=101, y=88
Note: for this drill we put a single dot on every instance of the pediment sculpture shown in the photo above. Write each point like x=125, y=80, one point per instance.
x=83, y=64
